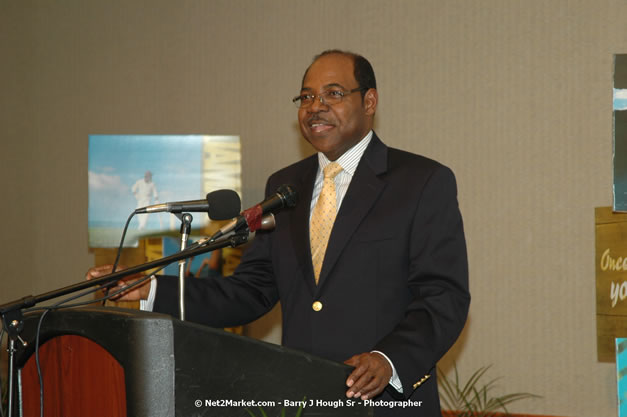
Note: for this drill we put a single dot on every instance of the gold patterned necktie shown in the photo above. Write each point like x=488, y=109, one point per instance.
x=323, y=217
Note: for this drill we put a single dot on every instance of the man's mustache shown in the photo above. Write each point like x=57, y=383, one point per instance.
x=317, y=119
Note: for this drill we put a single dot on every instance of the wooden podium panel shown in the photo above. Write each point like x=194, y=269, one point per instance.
x=80, y=379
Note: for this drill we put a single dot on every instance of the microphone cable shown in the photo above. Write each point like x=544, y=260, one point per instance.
x=117, y=257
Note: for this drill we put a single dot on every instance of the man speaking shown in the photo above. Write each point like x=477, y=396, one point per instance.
x=370, y=266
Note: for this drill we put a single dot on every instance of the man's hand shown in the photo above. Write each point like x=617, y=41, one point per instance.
x=137, y=293
x=372, y=373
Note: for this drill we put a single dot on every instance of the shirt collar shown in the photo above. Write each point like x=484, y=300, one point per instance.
x=350, y=159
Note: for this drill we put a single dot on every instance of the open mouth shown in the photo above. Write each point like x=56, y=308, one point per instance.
x=318, y=126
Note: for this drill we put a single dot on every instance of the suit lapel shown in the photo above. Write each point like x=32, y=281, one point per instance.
x=300, y=222
x=363, y=192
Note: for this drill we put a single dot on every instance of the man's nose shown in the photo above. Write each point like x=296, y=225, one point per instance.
x=318, y=105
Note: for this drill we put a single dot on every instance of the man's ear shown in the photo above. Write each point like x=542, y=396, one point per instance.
x=371, y=98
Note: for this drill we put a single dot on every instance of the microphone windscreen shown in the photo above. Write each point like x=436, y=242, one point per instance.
x=288, y=194
x=223, y=204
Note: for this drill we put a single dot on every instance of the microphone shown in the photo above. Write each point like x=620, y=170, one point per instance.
x=268, y=222
x=252, y=218
x=219, y=205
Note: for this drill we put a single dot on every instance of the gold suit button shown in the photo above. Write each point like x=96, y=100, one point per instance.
x=317, y=306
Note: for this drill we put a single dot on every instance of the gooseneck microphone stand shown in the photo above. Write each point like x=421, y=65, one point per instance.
x=12, y=315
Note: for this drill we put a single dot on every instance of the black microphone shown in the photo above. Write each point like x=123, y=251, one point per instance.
x=252, y=218
x=268, y=222
x=219, y=205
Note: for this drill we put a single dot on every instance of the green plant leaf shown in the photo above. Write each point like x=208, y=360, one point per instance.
x=250, y=412
x=300, y=408
x=473, y=398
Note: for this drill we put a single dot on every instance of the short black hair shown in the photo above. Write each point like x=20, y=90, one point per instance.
x=362, y=70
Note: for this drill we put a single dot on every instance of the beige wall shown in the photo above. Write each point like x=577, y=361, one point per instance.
x=515, y=96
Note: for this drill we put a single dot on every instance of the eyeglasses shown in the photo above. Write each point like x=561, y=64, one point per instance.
x=328, y=98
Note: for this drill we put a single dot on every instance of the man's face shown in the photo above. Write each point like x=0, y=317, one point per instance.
x=334, y=129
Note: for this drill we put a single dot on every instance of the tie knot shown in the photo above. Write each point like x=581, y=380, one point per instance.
x=331, y=170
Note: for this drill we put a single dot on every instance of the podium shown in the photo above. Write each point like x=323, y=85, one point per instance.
x=117, y=362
